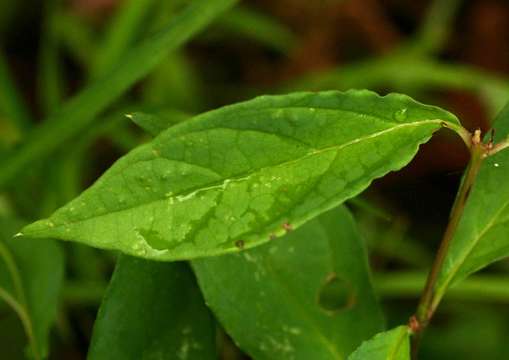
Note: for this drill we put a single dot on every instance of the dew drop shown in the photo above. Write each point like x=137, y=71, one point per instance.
x=400, y=115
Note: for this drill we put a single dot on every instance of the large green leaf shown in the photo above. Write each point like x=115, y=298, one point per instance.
x=482, y=236
x=390, y=345
x=78, y=114
x=31, y=275
x=307, y=296
x=152, y=310
x=245, y=173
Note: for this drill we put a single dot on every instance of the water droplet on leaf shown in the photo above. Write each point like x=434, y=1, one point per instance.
x=400, y=115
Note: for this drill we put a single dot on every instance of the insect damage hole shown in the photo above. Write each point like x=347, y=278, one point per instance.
x=335, y=294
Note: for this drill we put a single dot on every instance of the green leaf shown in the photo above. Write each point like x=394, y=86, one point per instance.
x=390, y=345
x=307, y=296
x=84, y=108
x=482, y=236
x=152, y=310
x=244, y=172
x=31, y=276
x=154, y=124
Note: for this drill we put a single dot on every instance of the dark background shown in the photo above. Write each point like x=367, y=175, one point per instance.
x=457, y=58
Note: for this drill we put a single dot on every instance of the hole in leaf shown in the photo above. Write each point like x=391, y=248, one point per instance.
x=335, y=295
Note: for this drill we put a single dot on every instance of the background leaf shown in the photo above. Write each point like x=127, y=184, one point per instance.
x=245, y=173
x=31, y=276
x=390, y=345
x=307, y=296
x=152, y=310
x=482, y=236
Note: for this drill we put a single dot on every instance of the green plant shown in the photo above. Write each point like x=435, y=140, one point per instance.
x=233, y=227
x=238, y=177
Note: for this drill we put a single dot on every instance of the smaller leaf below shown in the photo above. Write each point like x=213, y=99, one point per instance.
x=389, y=345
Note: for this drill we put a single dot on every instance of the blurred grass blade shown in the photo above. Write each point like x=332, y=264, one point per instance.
x=241, y=172
x=122, y=31
x=50, y=76
x=437, y=25
x=307, y=296
x=152, y=310
x=482, y=234
x=370, y=207
x=79, y=113
x=76, y=37
x=175, y=83
x=248, y=23
x=476, y=288
x=390, y=345
x=11, y=103
x=31, y=276
x=400, y=72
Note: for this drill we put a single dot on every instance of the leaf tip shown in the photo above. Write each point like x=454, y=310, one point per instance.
x=37, y=229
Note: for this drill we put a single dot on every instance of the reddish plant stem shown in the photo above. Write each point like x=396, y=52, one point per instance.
x=425, y=309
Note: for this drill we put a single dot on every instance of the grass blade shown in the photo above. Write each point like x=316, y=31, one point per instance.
x=80, y=112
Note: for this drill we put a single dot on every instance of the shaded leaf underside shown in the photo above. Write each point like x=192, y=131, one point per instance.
x=152, y=310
